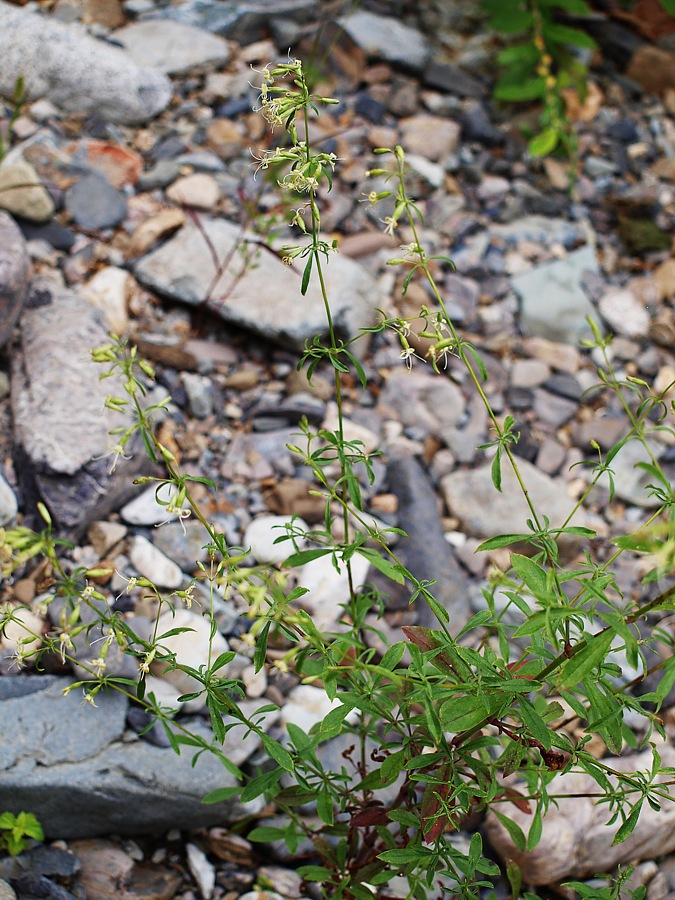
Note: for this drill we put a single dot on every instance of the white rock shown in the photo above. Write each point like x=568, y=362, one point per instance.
x=199, y=190
x=145, y=510
x=388, y=38
x=109, y=291
x=75, y=71
x=202, y=871
x=8, y=504
x=261, y=533
x=172, y=47
x=352, y=431
x=306, y=705
x=192, y=648
x=624, y=313
x=153, y=564
x=255, y=682
x=329, y=588
x=25, y=626
x=23, y=193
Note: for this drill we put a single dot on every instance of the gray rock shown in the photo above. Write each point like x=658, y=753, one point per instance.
x=266, y=298
x=171, y=47
x=8, y=504
x=630, y=482
x=384, y=37
x=94, y=203
x=542, y=230
x=199, y=393
x=484, y=512
x=14, y=275
x=422, y=400
x=624, y=313
x=183, y=543
x=553, y=303
x=60, y=424
x=153, y=564
x=244, y=21
x=23, y=193
x=426, y=553
x=69, y=765
x=262, y=533
x=145, y=510
x=576, y=839
x=452, y=80
x=75, y=71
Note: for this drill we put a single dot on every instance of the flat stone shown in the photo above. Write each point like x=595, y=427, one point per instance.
x=55, y=750
x=485, y=512
x=576, y=836
x=384, y=37
x=172, y=48
x=199, y=190
x=183, y=543
x=199, y=391
x=262, y=532
x=76, y=72
x=183, y=270
x=452, y=80
x=15, y=271
x=145, y=510
x=150, y=562
x=553, y=302
x=544, y=230
x=430, y=136
x=152, y=230
x=528, y=373
x=562, y=357
x=109, y=291
x=105, y=535
x=95, y=204
x=624, y=313
x=23, y=193
x=422, y=400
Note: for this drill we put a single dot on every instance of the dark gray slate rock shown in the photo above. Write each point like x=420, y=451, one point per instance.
x=426, y=553
x=94, y=203
x=75, y=71
x=70, y=765
x=14, y=275
x=60, y=424
x=266, y=299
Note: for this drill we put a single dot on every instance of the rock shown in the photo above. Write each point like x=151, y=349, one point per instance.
x=664, y=277
x=329, y=588
x=199, y=393
x=291, y=496
x=528, y=373
x=117, y=164
x=422, y=400
x=307, y=705
x=23, y=193
x=425, y=553
x=148, y=233
x=160, y=175
x=225, y=138
x=484, y=512
x=199, y=190
x=183, y=543
x=653, y=69
x=172, y=48
x=15, y=273
x=630, y=482
x=452, y=80
x=553, y=303
x=95, y=204
x=430, y=136
x=109, y=291
x=183, y=270
x=261, y=534
x=60, y=423
x=6, y=891
x=476, y=125
x=153, y=564
x=384, y=37
x=576, y=839
x=145, y=510
x=76, y=72
x=624, y=313
x=201, y=870
x=542, y=230
x=8, y=504
x=105, y=535
x=563, y=357
x=193, y=648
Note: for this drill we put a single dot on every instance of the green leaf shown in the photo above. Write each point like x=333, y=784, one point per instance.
x=382, y=564
x=501, y=540
x=462, y=713
x=278, y=753
x=299, y=738
x=515, y=877
x=534, y=723
x=530, y=89
x=261, y=784
x=405, y=856
x=512, y=21
x=391, y=767
x=534, y=834
x=496, y=470
x=315, y=873
x=324, y=806
x=306, y=275
x=669, y=6
x=627, y=827
x=515, y=832
x=260, y=653
x=586, y=660
x=393, y=656
x=520, y=53
x=475, y=622
x=221, y=794
x=544, y=143
x=576, y=7
x=562, y=34
x=532, y=574
x=332, y=722
x=305, y=556
x=266, y=834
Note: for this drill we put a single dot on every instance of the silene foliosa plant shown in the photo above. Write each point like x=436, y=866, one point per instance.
x=442, y=725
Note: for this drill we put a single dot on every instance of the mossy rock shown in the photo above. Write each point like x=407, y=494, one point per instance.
x=641, y=236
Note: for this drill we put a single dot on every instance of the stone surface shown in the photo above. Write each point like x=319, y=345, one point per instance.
x=95, y=204
x=172, y=48
x=385, y=37
x=199, y=190
x=576, y=841
x=67, y=763
x=145, y=510
x=74, y=71
x=150, y=562
x=261, y=534
x=553, y=302
x=23, y=193
x=624, y=313
x=266, y=298
x=109, y=291
x=329, y=588
x=430, y=136
x=484, y=512
x=183, y=542
x=15, y=272
x=8, y=504
x=60, y=423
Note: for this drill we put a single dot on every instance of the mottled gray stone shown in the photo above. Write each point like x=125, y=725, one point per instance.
x=75, y=71
x=68, y=763
x=172, y=47
x=385, y=37
x=266, y=299
x=243, y=21
x=422, y=400
x=94, y=203
x=14, y=275
x=553, y=302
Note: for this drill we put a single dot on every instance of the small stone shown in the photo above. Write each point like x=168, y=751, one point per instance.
x=23, y=193
x=352, y=431
x=528, y=373
x=493, y=189
x=95, y=204
x=653, y=69
x=255, y=682
x=171, y=47
x=261, y=534
x=153, y=564
x=145, y=510
x=307, y=705
x=201, y=870
x=328, y=587
x=105, y=535
x=152, y=230
x=8, y=504
x=6, y=891
x=386, y=38
x=200, y=394
x=225, y=138
x=109, y=291
x=117, y=164
x=563, y=357
x=624, y=313
x=199, y=190
x=183, y=542
x=288, y=882
x=665, y=168
x=551, y=456
x=430, y=136
x=664, y=276
x=160, y=175
x=243, y=379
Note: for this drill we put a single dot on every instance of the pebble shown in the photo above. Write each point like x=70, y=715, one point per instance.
x=150, y=562
x=23, y=193
x=109, y=290
x=15, y=272
x=430, y=136
x=200, y=394
x=262, y=533
x=172, y=48
x=199, y=190
x=201, y=870
x=624, y=313
x=8, y=503
x=95, y=204
x=145, y=510
x=385, y=37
